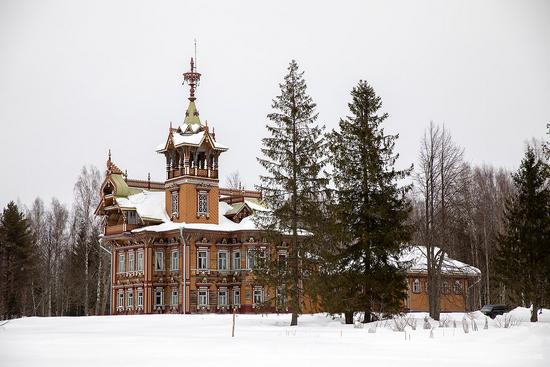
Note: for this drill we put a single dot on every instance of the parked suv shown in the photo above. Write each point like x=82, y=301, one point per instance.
x=493, y=310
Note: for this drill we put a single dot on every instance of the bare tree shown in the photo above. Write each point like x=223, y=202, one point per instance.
x=440, y=178
x=233, y=180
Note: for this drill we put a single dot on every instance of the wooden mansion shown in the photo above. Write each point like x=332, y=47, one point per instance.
x=186, y=245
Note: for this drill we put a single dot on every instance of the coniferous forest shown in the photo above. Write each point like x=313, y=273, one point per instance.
x=345, y=205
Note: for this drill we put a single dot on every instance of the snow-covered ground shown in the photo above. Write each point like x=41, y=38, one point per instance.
x=205, y=340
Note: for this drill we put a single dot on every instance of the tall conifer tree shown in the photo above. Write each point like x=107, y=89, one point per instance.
x=523, y=256
x=16, y=261
x=293, y=184
x=371, y=209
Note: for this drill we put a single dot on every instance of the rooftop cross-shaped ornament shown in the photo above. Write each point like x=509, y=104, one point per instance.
x=192, y=78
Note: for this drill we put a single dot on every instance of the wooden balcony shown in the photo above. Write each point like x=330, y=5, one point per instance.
x=119, y=228
x=198, y=172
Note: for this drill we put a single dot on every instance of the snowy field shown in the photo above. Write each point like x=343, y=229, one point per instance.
x=205, y=340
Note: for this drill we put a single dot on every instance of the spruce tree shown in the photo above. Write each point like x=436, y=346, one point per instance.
x=17, y=261
x=371, y=210
x=292, y=186
x=524, y=245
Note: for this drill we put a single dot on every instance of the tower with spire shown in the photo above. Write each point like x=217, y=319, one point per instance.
x=192, y=161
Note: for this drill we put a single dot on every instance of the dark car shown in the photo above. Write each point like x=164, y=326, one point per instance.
x=493, y=310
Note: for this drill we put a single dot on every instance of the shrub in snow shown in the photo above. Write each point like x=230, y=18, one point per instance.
x=427, y=324
x=444, y=321
x=358, y=325
x=474, y=325
x=486, y=326
x=399, y=323
x=411, y=321
x=506, y=321
x=372, y=330
x=454, y=324
x=465, y=325
x=431, y=333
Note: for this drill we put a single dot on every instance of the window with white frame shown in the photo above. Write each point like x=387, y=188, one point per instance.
x=131, y=262
x=202, y=259
x=222, y=260
x=159, y=297
x=262, y=256
x=222, y=297
x=203, y=297
x=416, y=286
x=140, y=255
x=159, y=260
x=282, y=260
x=258, y=296
x=250, y=258
x=236, y=296
x=237, y=260
x=446, y=288
x=120, y=299
x=202, y=204
x=174, y=297
x=121, y=262
x=130, y=299
x=175, y=258
x=457, y=287
x=140, y=298
x=175, y=203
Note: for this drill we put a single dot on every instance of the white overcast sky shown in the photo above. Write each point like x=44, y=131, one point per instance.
x=80, y=77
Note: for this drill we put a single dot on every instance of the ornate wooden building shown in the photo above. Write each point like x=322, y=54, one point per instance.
x=186, y=245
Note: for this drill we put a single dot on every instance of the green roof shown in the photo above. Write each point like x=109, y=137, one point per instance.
x=192, y=114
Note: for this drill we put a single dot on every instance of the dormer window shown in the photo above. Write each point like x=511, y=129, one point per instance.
x=131, y=217
x=175, y=203
x=202, y=204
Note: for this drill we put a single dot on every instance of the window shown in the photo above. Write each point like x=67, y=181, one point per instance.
x=140, y=261
x=237, y=260
x=140, y=298
x=202, y=259
x=262, y=255
x=121, y=262
x=175, y=203
x=131, y=262
x=222, y=297
x=446, y=289
x=131, y=217
x=174, y=297
x=250, y=257
x=282, y=260
x=159, y=297
x=175, y=258
x=222, y=260
x=416, y=286
x=457, y=287
x=159, y=261
x=120, y=301
x=203, y=297
x=130, y=299
x=202, y=205
x=258, y=296
x=236, y=296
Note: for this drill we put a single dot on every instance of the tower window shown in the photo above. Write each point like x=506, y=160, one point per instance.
x=175, y=203
x=202, y=204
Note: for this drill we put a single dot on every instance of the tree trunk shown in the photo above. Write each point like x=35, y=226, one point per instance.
x=348, y=317
x=535, y=312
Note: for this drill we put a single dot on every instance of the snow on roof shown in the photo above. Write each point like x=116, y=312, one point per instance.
x=416, y=256
x=224, y=224
x=195, y=139
x=148, y=204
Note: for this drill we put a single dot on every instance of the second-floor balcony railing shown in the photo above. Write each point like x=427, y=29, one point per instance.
x=188, y=171
x=119, y=228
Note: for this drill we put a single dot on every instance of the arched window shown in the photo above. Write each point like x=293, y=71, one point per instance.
x=416, y=286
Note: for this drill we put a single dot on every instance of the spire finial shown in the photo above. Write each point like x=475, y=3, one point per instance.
x=192, y=78
x=109, y=154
